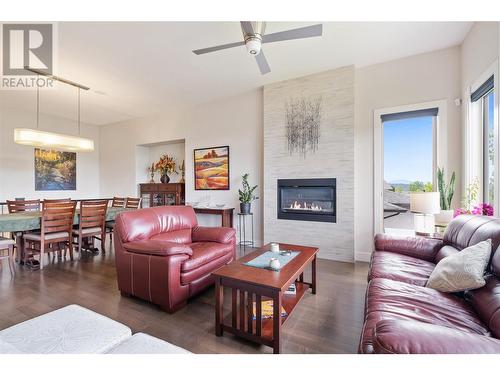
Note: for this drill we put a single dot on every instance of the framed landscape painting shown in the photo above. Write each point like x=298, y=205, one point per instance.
x=211, y=168
x=55, y=170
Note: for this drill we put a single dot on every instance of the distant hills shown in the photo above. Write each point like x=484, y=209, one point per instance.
x=400, y=182
x=402, y=185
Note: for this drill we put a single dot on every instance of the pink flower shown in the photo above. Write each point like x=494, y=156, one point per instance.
x=483, y=209
x=460, y=211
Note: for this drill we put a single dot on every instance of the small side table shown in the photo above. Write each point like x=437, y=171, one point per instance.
x=242, y=229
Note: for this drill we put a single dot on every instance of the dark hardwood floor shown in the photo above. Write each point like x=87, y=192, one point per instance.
x=328, y=322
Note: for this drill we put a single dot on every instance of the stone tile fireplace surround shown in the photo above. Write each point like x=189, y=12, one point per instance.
x=331, y=156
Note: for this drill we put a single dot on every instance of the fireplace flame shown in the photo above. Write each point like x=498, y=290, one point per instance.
x=303, y=206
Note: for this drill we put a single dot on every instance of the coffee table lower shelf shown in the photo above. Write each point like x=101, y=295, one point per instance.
x=289, y=301
x=243, y=323
x=251, y=285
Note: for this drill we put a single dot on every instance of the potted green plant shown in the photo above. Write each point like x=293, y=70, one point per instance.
x=446, y=192
x=246, y=195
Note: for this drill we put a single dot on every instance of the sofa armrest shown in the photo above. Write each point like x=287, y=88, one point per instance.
x=417, y=247
x=213, y=234
x=408, y=337
x=155, y=247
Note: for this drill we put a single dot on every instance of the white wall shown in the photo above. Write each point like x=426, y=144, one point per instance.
x=235, y=121
x=479, y=50
x=17, y=176
x=416, y=79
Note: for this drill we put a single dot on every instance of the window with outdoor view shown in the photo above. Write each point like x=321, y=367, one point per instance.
x=489, y=148
x=408, y=165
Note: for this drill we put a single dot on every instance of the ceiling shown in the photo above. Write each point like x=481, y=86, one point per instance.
x=137, y=69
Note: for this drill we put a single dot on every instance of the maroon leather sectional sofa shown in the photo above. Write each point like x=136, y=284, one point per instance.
x=403, y=316
x=164, y=257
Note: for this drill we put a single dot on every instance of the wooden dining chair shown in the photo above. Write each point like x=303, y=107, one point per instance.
x=110, y=225
x=7, y=252
x=23, y=205
x=133, y=202
x=91, y=224
x=118, y=202
x=56, y=232
x=63, y=200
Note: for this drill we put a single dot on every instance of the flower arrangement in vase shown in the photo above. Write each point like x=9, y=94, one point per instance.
x=469, y=202
x=165, y=165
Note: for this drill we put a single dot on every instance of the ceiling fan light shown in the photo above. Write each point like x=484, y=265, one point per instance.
x=37, y=138
x=253, y=45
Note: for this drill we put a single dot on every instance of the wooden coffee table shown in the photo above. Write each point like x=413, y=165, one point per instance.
x=249, y=284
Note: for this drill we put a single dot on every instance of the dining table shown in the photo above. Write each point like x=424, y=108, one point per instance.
x=20, y=222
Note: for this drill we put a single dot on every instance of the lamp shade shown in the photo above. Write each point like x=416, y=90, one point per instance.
x=37, y=138
x=425, y=203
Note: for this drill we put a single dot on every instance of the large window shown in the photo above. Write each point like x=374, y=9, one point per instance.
x=482, y=136
x=408, y=164
x=488, y=104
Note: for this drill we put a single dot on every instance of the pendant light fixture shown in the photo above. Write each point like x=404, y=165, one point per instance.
x=57, y=141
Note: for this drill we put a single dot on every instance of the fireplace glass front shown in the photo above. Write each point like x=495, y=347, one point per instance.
x=307, y=199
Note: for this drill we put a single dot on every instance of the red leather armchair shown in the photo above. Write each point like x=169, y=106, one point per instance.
x=403, y=316
x=164, y=257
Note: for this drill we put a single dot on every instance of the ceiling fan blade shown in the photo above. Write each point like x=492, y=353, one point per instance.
x=247, y=27
x=300, y=33
x=262, y=63
x=218, y=48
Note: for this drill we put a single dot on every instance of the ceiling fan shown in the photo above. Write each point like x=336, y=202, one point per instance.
x=253, y=37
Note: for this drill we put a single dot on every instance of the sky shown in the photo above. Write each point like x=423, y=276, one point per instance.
x=408, y=149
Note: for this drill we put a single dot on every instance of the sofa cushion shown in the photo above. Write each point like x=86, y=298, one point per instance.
x=388, y=299
x=182, y=236
x=70, y=330
x=205, y=252
x=147, y=222
x=407, y=337
x=414, y=246
x=444, y=252
x=399, y=267
x=462, y=271
x=468, y=230
x=205, y=270
x=486, y=303
x=213, y=234
x=141, y=343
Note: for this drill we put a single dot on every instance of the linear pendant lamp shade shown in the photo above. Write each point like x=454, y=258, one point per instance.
x=38, y=138
x=55, y=141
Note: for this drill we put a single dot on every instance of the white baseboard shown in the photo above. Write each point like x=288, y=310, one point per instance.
x=364, y=256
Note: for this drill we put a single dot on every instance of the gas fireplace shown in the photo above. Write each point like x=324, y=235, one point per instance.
x=311, y=199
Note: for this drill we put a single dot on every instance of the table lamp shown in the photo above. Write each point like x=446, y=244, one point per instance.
x=424, y=205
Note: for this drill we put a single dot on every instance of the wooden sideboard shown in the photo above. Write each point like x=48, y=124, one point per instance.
x=158, y=194
x=226, y=214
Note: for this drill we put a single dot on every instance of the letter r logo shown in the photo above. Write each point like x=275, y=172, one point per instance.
x=27, y=45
